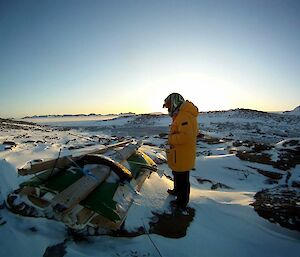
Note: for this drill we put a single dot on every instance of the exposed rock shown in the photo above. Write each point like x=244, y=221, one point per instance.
x=204, y=153
x=202, y=181
x=209, y=139
x=200, y=135
x=74, y=147
x=289, y=153
x=259, y=147
x=296, y=184
x=33, y=229
x=163, y=135
x=28, y=142
x=287, y=159
x=237, y=143
x=215, y=185
x=10, y=143
x=269, y=174
x=220, y=185
x=63, y=128
x=149, y=143
x=279, y=205
x=254, y=146
x=254, y=157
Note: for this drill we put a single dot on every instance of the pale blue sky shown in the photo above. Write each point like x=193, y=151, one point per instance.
x=104, y=57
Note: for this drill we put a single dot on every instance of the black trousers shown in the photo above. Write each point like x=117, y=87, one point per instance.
x=182, y=187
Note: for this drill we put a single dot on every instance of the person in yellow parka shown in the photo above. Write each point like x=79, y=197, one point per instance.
x=181, y=153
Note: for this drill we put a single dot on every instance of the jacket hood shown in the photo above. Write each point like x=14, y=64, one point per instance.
x=189, y=107
x=173, y=103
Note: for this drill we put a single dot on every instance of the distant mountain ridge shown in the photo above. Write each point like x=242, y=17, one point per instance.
x=75, y=115
x=295, y=111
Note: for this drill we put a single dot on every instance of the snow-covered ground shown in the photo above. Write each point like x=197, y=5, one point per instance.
x=223, y=186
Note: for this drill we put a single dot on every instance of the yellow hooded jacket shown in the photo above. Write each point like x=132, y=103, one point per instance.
x=182, y=138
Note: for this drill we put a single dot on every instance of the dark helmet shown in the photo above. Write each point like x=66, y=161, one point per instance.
x=173, y=102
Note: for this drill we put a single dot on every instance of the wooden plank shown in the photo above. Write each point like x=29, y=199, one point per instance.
x=126, y=152
x=79, y=190
x=38, y=201
x=79, y=218
x=65, y=160
x=28, y=190
x=84, y=215
x=102, y=222
x=141, y=179
x=35, y=168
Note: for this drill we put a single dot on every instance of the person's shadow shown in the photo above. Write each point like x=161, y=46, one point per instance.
x=173, y=223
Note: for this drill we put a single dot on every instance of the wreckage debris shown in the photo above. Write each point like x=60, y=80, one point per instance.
x=90, y=193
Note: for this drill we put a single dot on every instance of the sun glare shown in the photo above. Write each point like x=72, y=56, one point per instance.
x=205, y=92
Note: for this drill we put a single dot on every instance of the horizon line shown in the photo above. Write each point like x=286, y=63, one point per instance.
x=135, y=113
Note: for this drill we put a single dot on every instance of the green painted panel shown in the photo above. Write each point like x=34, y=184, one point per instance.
x=63, y=179
x=101, y=201
x=134, y=161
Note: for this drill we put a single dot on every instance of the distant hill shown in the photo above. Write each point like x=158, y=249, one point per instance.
x=15, y=124
x=296, y=111
x=74, y=115
x=60, y=115
x=232, y=112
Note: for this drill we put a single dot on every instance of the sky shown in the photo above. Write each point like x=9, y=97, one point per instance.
x=71, y=56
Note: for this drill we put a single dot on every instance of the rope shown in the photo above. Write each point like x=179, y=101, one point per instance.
x=84, y=172
x=147, y=233
x=54, y=166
